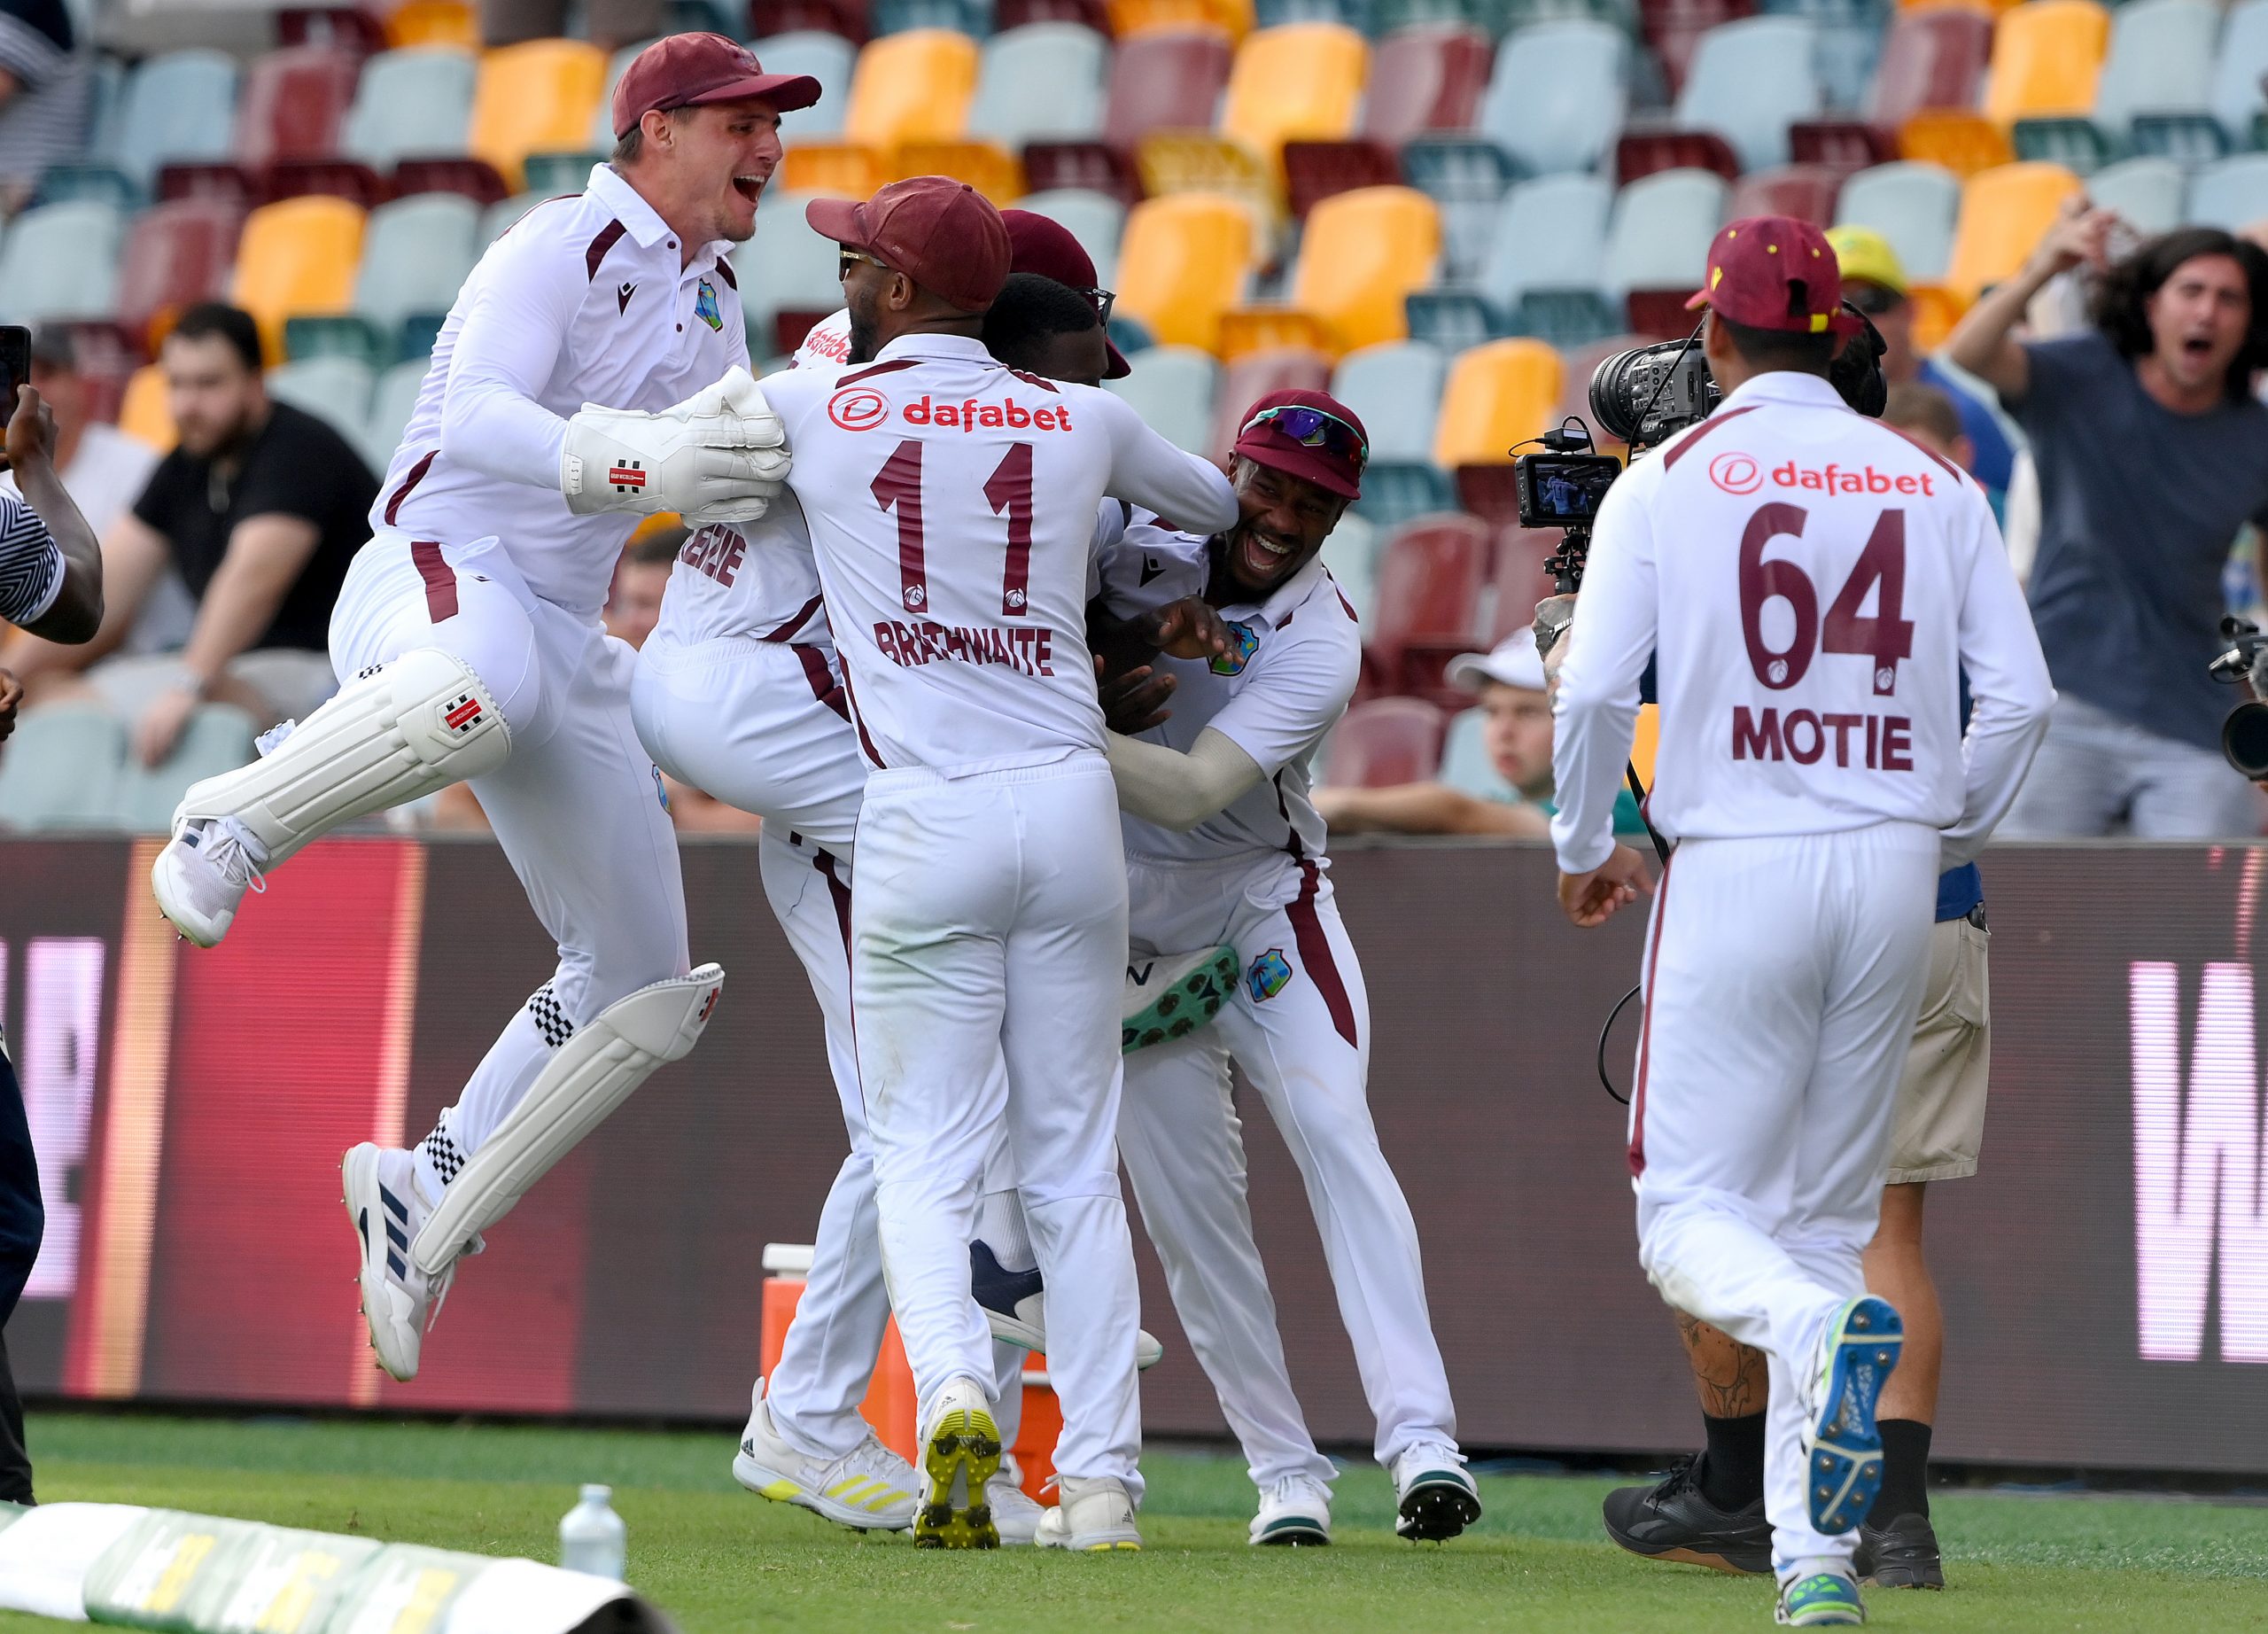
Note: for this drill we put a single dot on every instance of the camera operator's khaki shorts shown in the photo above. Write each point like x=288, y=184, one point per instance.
x=1941, y=1118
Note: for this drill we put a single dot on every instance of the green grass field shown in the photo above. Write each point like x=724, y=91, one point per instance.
x=718, y=1559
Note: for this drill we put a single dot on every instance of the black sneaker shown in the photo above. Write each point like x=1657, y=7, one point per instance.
x=1674, y=1520
x=1901, y=1555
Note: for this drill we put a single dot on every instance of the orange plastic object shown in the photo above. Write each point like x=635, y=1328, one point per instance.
x=144, y=415
x=1962, y=142
x=433, y=22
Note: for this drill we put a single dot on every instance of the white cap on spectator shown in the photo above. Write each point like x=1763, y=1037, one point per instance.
x=1514, y=663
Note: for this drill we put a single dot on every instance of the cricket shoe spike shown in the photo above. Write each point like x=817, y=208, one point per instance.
x=869, y=1489
x=385, y=1208
x=1174, y=994
x=960, y=1454
x=1842, y=1444
x=1094, y=1515
x=1013, y=1308
x=1434, y=1499
x=1014, y=1511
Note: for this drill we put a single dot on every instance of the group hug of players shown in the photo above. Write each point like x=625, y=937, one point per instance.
x=1043, y=913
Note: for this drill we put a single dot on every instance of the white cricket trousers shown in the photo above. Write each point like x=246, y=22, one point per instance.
x=1783, y=976
x=1299, y=1025
x=987, y=950
x=760, y=725
x=576, y=806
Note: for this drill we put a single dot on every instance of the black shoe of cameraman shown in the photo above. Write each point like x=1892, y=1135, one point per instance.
x=1673, y=1520
x=1901, y=1555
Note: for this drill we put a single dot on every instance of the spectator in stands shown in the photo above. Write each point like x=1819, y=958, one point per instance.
x=262, y=507
x=1516, y=731
x=46, y=92
x=1930, y=418
x=1874, y=281
x=2151, y=454
x=634, y=604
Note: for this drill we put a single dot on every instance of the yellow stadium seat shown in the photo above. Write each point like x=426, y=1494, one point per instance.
x=1184, y=260
x=297, y=258
x=536, y=98
x=1995, y=6
x=1361, y=253
x=1233, y=18
x=1193, y=161
x=1271, y=328
x=1498, y=394
x=843, y=167
x=1936, y=310
x=1300, y=82
x=1962, y=142
x=433, y=22
x=987, y=167
x=2047, y=55
x=2003, y=214
x=144, y=414
x=912, y=87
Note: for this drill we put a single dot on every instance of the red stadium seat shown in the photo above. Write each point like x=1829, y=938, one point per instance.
x=1313, y=171
x=1843, y=145
x=1167, y=80
x=1518, y=580
x=1673, y=29
x=1383, y=742
x=475, y=178
x=1934, y=57
x=847, y=18
x=201, y=181
x=1426, y=78
x=1644, y=152
x=1804, y=192
x=361, y=32
x=341, y=178
x=1015, y=14
x=1660, y=314
x=1280, y=369
x=1425, y=606
x=293, y=102
x=176, y=254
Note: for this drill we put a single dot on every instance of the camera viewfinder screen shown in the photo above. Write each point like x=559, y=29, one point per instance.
x=1565, y=489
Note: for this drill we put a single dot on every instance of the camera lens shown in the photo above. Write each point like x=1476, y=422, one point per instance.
x=1613, y=404
x=2244, y=739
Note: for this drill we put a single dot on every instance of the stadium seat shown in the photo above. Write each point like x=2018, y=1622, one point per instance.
x=534, y=98
x=1467, y=177
x=1659, y=233
x=1913, y=206
x=1380, y=743
x=1350, y=555
x=1934, y=57
x=497, y=219
x=786, y=267
x=1093, y=14
x=1497, y=396
x=827, y=58
x=1041, y=82
x=1849, y=35
x=142, y=411
x=2046, y=58
x=1432, y=574
x=1577, y=366
x=1749, y=81
x=1169, y=81
x=1551, y=234
x=1361, y=253
x=1426, y=78
x=1184, y=260
x=912, y=87
x=181, y=105
x=416, y=254
x=1465, y=765
x=2233, y=194
x=599, y=135
x=1804, y=192
x=417, y=101
x=1557, y=95
x=298, y=256
x=391, y=400
x=1394, y=390
x=1096, y=220
x=2235, y=95
x=1965, y=143
x=337, y=389
x=2161, y=61
x=433, y=22
x=1254, y=375
x=216, y=738
x=294, y=102
x=2003, y=212
x=1132, y=18
x=1517, y=580
x=62, y=767
x=175, y=256
x=61, y=260
x=1674, y=29
x=846, y=18
x=1173, y=388
x=1303, y=80
x=2147, y=192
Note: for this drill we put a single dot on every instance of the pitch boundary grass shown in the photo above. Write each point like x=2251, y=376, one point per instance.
x=721, y=1561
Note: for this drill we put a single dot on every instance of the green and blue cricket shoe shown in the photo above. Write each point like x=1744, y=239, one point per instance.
x=1842, y=1446
x=1823, y=1600
x=1174, y=994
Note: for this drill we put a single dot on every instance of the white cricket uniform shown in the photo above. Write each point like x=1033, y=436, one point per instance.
x=1256, y=876
x=1814, y=585
x=952, y=507
x=474, y=551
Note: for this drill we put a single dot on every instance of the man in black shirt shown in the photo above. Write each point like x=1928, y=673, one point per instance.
x=262, y=507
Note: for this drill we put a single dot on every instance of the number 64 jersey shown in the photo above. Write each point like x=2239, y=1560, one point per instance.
x=1812, y=587
x=951, y=504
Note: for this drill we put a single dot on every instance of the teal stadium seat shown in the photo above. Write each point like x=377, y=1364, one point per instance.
x=416, y=254
x=178, y=108
x=1749, y=82
x=2233, y=194
x=1395, y=391
x=1660, y=229
x=1556, y=96
x=416, y=103
x=60, y=260
x=786, y=267
x=1042, y=82
x=336, y=389
x=1911, y=204
x=499, y=217
x=1096, y=220
x=216, y=738
x=1850, y=39
x=1551, y=235
x=602, y=131
x=828, y=58
x=391, y=402
x=2146, y=191
x=1351, y=553
x=1173, y=388
x=1466, y=177
x=2161, y=61
x=2235, y=95
x=1465, y=765
x=61, y=768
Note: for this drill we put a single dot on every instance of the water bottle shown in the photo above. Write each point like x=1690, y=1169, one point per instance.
x=592, y=1538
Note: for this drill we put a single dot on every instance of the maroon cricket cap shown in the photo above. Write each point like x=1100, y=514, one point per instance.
x=1776, y=272
x=1045, y=248
x=942, y=234
x=686, y=70
x=1312, y=435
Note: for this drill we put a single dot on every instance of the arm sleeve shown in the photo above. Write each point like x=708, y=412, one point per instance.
x=31, y=564
x=1176, y=790
x=2008, y=689
x=528, y=292
x=1193, y=493
x=1609, y=646
x=2057, y=372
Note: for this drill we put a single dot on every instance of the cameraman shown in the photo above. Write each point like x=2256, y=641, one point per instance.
x=2152, y=452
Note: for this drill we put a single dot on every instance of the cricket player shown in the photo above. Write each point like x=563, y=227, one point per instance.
x=953, y=506
x=1223, y=846
x=1815, y=585
x=592, y=370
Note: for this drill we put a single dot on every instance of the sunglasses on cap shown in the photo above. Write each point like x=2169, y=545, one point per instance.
x=1104, y=300
x=1874, y=300
x=1312, y=428
x=848, y=258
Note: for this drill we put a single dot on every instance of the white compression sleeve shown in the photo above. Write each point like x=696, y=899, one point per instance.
x=1176, y=790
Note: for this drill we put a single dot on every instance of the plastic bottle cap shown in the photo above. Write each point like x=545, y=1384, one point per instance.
x=594, y=1493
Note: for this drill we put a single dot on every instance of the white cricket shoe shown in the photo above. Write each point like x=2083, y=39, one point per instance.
x=202, y=874
x=1017, y=1313
x=1296, y=1510
x=869, y=1489
x=1094, y=1515
x=386, y=1207
x=960, y=1455
x=1014, y=1511
x=1434, y=1499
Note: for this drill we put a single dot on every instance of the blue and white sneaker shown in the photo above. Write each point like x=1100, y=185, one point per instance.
x=1842, y=1446
x=386, y=1209
x=1819, y=1600
x=1017, y=1314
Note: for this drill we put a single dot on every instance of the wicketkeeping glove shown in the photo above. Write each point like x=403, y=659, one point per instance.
x=720, y=455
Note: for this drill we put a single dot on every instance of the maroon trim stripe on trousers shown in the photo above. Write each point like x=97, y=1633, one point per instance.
x=1314, y=952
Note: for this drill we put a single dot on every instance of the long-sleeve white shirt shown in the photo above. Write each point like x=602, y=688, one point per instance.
x=1813, y=585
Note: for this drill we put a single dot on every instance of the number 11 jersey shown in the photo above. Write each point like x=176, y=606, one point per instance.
x=951, y=504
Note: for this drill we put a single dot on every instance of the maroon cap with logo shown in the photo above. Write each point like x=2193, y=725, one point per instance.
x=1776, y=272
x=687, y=70
x=1307, y=434
x=942, y=234
x=1045, y=248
